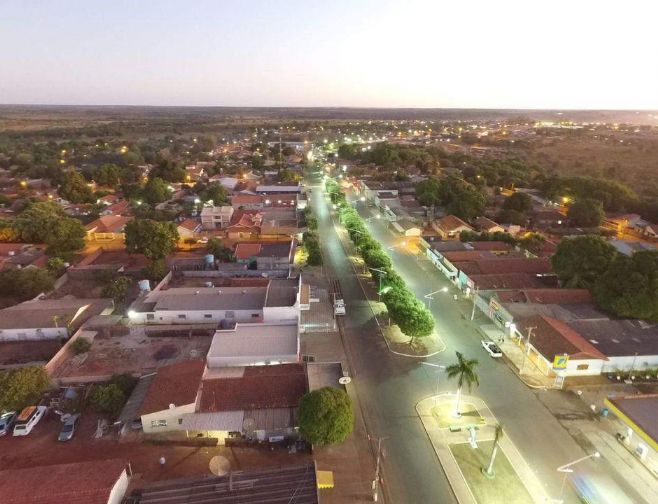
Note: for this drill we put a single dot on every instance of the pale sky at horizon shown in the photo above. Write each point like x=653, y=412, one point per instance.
x=578, y=54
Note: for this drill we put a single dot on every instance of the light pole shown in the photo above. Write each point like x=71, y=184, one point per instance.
x=401, y=244
x=566, y=469
x=429, y=298
x=375, y=482
x=378, y=216
x=438, y=377
x=382, y=273
x=526, y=350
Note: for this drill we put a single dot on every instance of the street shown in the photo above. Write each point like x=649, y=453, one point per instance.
x=389, y=386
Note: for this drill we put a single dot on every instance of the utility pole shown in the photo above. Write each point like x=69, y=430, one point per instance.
x=375, y=482
x=475, y=297
x=526, y=350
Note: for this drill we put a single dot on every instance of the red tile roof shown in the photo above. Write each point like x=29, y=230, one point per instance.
x=246, y=199
x=505, y=281
x=553, y=337
x=485, y=224
x=119, y=208
x=176, y=384
x=506, y=265
x=76, y=483
x=244, y=251
x=108, y=224
x=190, y=224
x=261, y=387
x=451, y=223
x=547, y=296
x=490, y=245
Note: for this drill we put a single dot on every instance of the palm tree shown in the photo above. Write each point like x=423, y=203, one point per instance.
x=464, y=371
x=488, y=471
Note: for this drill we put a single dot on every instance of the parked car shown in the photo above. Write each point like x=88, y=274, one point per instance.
x=7, y=420
x=492, y=349
x=27, y=419
x=69, y=428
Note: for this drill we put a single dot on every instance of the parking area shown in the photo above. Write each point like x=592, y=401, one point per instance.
x=41, y=447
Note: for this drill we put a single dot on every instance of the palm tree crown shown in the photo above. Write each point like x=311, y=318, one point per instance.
x=465, y=372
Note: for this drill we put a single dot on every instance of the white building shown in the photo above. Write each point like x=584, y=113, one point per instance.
x=216, y=217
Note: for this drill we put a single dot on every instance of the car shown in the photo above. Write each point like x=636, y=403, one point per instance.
x=69, y=428
x=492, y=349
x=27, y=419
x=7, y=419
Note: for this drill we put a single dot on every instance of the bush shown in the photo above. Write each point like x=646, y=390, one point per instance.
x=22, y=387
x=80, y=346
x=326, y=416
x=108, y=399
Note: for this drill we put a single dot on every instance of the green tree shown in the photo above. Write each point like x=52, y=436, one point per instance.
x=533, y=242
x=464, y=371
x=629, y=287
x=428, y=192
x=156, y=240
x=586, y=212
x=326, y=416
x=216, y=193
x=217, y=248
x=156, y=270
x=37, y=222
x=117, y=289
x=156, y=191
x=519, y=202
x=498, y=435
x=26, y=283
x=512, y=217
x=22, y=387
x=74, y=188
x=108, y=399
x=417, y=322
x=468, y=203
x=80, y=345
x=55, y=266
x=579, y=261
x=67, y=238
x=108, y=175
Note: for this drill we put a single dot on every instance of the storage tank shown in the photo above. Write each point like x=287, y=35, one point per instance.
x=144, y=285
x=209, y=260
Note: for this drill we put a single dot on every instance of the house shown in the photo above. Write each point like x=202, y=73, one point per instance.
x=259, y=402
x=407, y=227
x=450, y=226
x=274, y=191
x=247, y=202
x=213, y=305
x=485, y=225
x=638, y=414
x=268, y=255
x=539, y=267
x=49, y=318
x=188, y=229
x=244, y=225
x=216, y=217
x=107, y=228
x=255, y=345
x=89, y=482
x=548, y=218
x=296, y=484
x=171, y=394
x=20, y=255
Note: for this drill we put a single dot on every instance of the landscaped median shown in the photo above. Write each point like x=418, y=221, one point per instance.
x=465, y=447
x=404, y=310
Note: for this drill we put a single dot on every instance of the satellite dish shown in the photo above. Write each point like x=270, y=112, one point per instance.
x=344, y=380
x=172, y=406
x=219, y=465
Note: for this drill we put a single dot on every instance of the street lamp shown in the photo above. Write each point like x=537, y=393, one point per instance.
x=378, y=216
x=438, y=377
x=566, y=469
x=382, y=273
x=429, y=297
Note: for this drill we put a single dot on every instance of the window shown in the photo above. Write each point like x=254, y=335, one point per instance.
x=255, y=315
x=582, y=367
x=150, y=316
x=230, y=314
x=158, y=423
x=207, y=315
x=180, y=421
x=182, y=316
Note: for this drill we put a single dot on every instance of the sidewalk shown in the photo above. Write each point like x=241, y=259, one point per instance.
x=442, y=438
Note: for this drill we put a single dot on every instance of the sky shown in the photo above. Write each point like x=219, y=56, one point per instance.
x=576, y=54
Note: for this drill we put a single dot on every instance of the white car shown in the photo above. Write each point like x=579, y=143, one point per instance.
x=28, y=418
x=492, y=349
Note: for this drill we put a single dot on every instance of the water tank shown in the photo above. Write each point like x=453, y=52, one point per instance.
x=209, y=259
x=144, y=285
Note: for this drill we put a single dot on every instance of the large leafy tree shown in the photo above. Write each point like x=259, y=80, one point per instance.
x=73, y=187
x=216, y=193
x=629, y=287
x=326, y=416
x=464, y=370
x=68, y=237
x=108, y=175
x=519, y=202
x=579, y=261
x=428, y=192
x=156, y=191
x=22, y=387
x=586, y=212
x=156, y=240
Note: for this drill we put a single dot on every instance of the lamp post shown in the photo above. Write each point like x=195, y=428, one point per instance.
x=382, y=273
x=566, y=469
x=429, y=298
x=438, y=377
x=526, y=350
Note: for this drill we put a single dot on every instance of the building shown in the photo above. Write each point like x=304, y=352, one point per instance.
x=216, y=217
x=188, y=229
x=50, y=318
x=638, y=413
x=215, y=305
x=274, y=191
x=107, y=228
x=284, y=485
x=267, y=255
x=171, y=394
x=485, y=225
x=255, y=345
x=90, y=482
x=449, y=227
x=247, y=202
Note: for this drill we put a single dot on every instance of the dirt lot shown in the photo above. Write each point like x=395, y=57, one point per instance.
x=41, y=447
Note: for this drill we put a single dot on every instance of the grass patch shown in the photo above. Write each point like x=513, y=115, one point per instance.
x=505, y=488
x=444, y=413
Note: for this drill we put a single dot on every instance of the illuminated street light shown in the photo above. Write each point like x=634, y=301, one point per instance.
x=566, y=469
x=439, y=368
x=430, y=296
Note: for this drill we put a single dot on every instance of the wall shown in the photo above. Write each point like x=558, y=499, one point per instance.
x=171, y=316
x=65, y=352
x=251, y=360
x=172, y=416
x=629, y=362
x=280, y=313
x=34, y=334
x=119, y=489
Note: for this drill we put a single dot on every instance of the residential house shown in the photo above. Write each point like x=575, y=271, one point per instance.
x=188, y=229
x=20, y=255
x=268, y=255
x=244, y=225
x=107, y=228
x=247, y=202
x=485, y=225
x=216, y=217
x=450, y=226
x=89, y=482
x=548, y=218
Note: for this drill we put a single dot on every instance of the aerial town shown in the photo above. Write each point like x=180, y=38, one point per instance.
x=347, y=252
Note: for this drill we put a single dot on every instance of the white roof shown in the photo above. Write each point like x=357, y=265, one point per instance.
x=255, y=339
